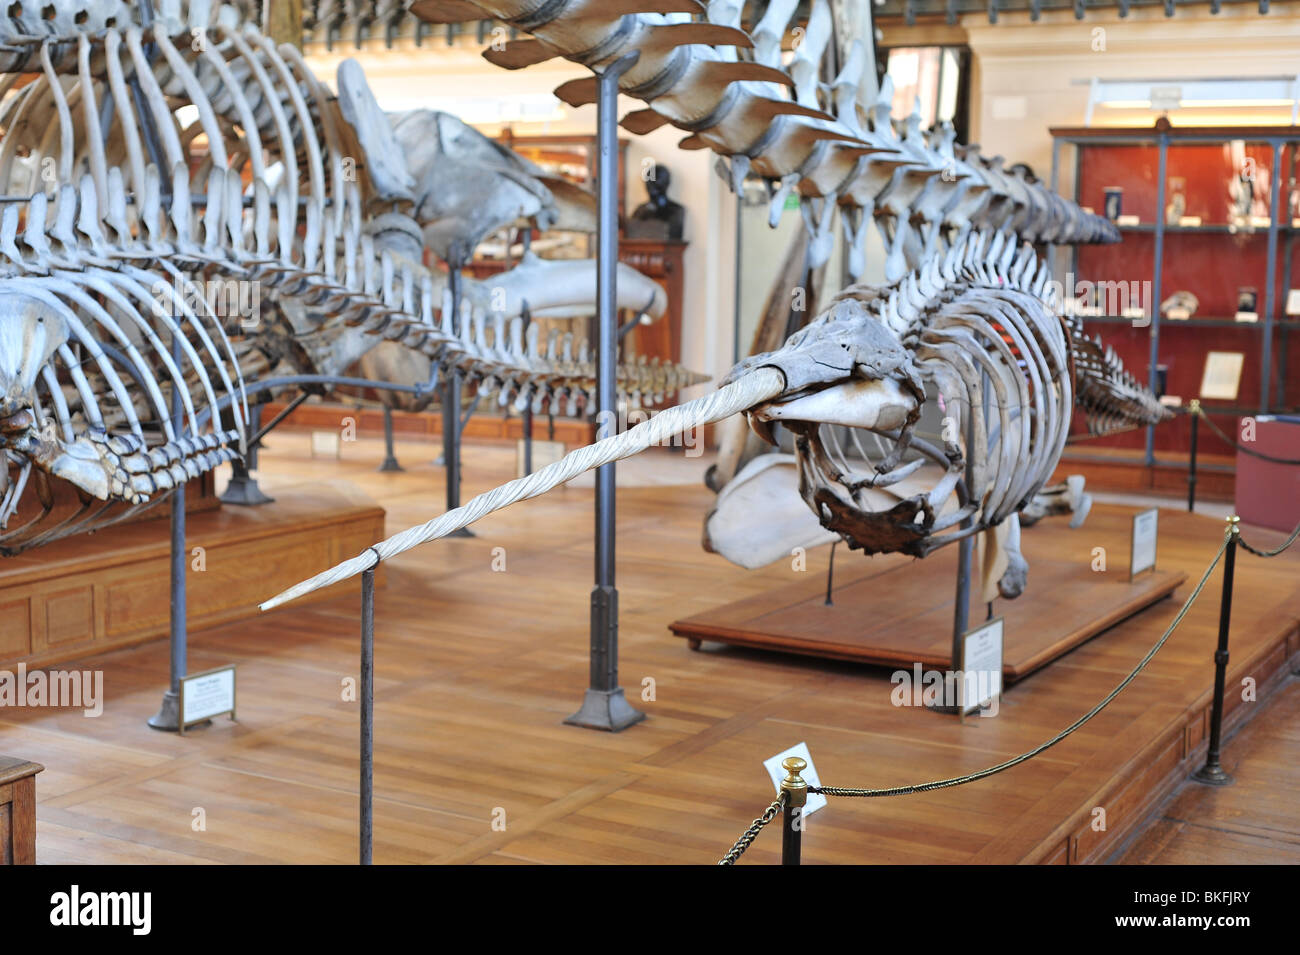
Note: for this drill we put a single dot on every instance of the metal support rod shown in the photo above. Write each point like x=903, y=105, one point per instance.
x=451, y=423
x=1212, y=773
x=390, y=459
x=830, y=575
x=1157, y=285
x=451, y=400
x=1270, y=277
x=604, y=705
x=367, y=787
x=795, y=790
x=168, y=715
x=1194, y=408
x=527, y=417
x=242, y=488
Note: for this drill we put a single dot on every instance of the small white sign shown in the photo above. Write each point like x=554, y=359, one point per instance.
x=325, y=444
x=1293, y=301
x=1178, y=314
x=1246, y=317
x=774, y=769
x=1189, y=222
x=1222, y=376
x=1142, y=555
x=1128, y=220
x=981, y=667
x=1165, y=98
x=205, y=695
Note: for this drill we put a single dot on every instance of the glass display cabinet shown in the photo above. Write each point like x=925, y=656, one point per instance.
x=1203, y=274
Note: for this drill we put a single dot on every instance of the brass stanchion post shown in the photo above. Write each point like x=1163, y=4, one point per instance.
x=1194, y=409
x=796, y=797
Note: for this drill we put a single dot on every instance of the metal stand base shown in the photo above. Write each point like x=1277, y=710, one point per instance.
x=168, y=714
x=461, y=532
x=390, y=464
x=606, y=710
x=243, y=489
x=1212, y=776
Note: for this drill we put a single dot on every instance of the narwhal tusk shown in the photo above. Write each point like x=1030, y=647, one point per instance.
x=759, y=385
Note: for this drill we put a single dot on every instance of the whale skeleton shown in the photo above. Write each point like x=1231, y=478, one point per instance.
x=122, y=374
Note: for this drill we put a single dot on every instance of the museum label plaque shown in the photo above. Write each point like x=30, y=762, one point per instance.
x=207, y=694
x=980, y=685
x=1142, y=553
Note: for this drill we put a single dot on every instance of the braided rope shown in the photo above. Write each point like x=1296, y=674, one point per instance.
x=749, y=835
x=755, y=387
x=1269, y=553
x=1239, y=446
x=1017, y=760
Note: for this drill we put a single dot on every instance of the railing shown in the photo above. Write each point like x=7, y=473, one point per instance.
x=795, y=790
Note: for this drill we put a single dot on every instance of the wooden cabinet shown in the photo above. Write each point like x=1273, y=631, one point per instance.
x=660, y=260
x=18, y=810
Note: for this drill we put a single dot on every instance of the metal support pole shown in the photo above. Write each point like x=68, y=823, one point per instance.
x=796, y=797
x=168, y=715
x=1212, y=773
x=390, y=459
x=830, y=576
x=451, y=408
x=367, y=786
x=1193, y=408
x=242, y=489
x=527, y=417
x=604, y=706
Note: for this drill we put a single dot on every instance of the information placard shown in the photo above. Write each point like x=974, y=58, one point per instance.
x=1142, y=553
x=205, y=695
x=980, y=685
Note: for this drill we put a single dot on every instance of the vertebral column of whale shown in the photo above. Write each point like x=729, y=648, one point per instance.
x=918, y=188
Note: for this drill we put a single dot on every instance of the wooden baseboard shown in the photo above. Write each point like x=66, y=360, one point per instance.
x=427, y=425
x=1127, y=472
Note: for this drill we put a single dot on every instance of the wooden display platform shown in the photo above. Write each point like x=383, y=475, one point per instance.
x=95, y=592
x=898, y=613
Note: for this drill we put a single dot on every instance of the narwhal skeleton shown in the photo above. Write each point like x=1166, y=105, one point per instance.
x=982, y=321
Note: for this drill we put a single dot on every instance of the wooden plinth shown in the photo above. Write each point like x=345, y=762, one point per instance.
x=98, y=591
x=18, y=810
x=897, y=614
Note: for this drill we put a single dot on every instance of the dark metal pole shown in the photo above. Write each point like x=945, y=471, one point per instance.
x=527, y=417
x=451, y=425
x=1212, y=773
x=242, y=488
x=390, y=459
x=795, y=790
x=1194, y=408
x=168, y=715
x=830, y=575
x=604, y=706
x=367, y=714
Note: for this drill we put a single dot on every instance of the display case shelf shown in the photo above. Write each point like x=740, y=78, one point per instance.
x=1224, y=176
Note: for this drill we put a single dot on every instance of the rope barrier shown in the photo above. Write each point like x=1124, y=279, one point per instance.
x=1200, y=412
x=749, y=835
x=1017, y=760
x=1269, y=553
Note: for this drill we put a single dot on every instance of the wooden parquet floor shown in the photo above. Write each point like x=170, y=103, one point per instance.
x=476, y=669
